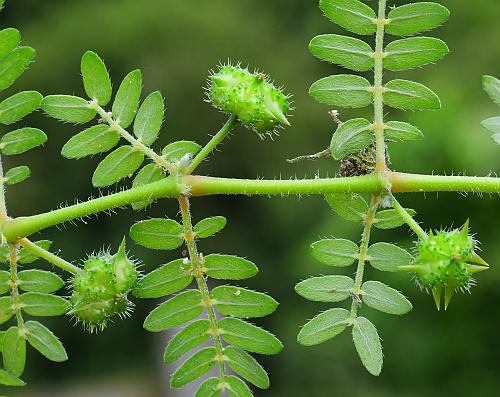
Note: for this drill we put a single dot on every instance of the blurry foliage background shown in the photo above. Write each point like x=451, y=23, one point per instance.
x=175, y=43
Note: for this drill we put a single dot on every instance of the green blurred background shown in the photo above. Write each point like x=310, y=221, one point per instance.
x=175, y=43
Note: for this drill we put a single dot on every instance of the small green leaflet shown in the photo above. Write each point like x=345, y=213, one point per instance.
x=17, y=175
x=228, y=267
x=8, y=379
x=14, y=351
x=191, y=336
x=209, y=388
x=367, y=343
x=388, y=257
x=343, y=90
x=323, y=327
x=149, y=118
x=93, y=140
x=26, y=256
x=247, y=367
x=413, y=52
x=414, y=18
x=68, y=108
x=352, y=15
x=389, y=219
x=160, y=234
x=127, y=98
x=37, y=304
x=198, y=364
x=492, y=124
x=167, y=279
x=175, y=151
x=18, y=106
x=14, y=64
x=248, y=336
x=397, y=131
x=404, y=94
x=241, y=302
x=148, y=174
x=176, y=311
x=385, y=299
x=117, y=165
x=345, y=51
x=4, y=283
x=209, y=226
x=96, y=78
x=39, y=281
x=325, y=288
x=237, y=388
x=492, y=87
x=22, y=140
x=9, y=39
x=349, y=206
x=6, y=311
x=43, y=340
x=335, y=252
x=351, y=137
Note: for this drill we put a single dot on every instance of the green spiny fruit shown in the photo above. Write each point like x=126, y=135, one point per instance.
x=443, y=263
x=100, y=289
x=256, y=102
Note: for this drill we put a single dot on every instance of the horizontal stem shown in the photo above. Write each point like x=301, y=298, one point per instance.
x=15, y=229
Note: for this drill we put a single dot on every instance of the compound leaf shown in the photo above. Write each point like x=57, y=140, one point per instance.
x=248, y=336
x=414, y=18
x=404, y=94
x=389, y=219
x=229, y=267
x=385, y=299
x=96, y=78
x=176, y=311
x=37, y=304
x=93, y=140
x=176, y=150
x=368, y=346
x=325, y=288
x=343, y=90
x=388, y=257
x=14, y=64
x=323, y=327
x=39, y=281
x=352, y=15
x=160, y=234
x=351, y=137
x=413, y=52
x=167, y=279
x=14, y=351
x=492, y=87
x=43, y=340
x=149, y=118
x=247, y=367
x=349, y=206
x=397, y=131
x=18, y=106
x=241, y=302
x=335, y=252
x=17, y=175
x=148, y=174
x=209, y=226
x=22, y=140
x=191, y=336
x=68, y=108
x=195, y=366
x=127, y=98
x=345, y=51
x=117, y=165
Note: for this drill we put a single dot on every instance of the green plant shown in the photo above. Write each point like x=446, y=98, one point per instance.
x=443, y=261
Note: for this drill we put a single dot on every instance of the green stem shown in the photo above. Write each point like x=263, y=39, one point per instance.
x=3, y=205
x=14, y=282
x=212, y=144
x=412, y=223
x=363, y=248
x=49, y=256
x=197, y=264
x=378, y=89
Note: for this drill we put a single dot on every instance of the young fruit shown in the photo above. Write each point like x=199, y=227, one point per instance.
x=100, y=289
x=256, y=102
x=444, y=263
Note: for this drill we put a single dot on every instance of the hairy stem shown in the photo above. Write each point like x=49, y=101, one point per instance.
x=48, y=256
x=3, y=205
x=197, y=264
x=378, y=89
x=212, y=144
x=14, y=282
x=412, y=223
x=363, y=248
